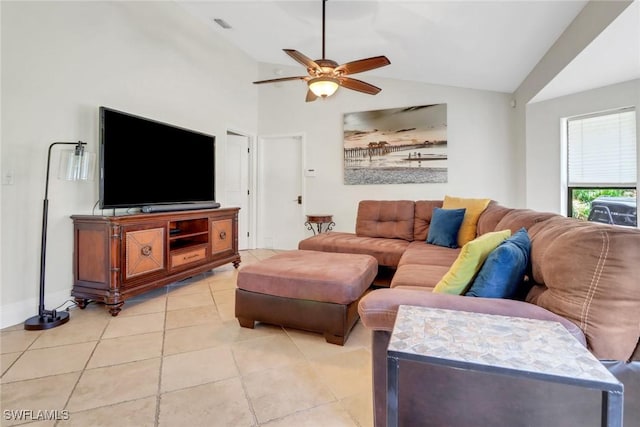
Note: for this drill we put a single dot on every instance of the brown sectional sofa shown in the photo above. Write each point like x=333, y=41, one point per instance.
x=583, y=275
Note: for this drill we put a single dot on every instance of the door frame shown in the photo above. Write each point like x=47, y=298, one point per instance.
x=251, y=180
x=260, y=167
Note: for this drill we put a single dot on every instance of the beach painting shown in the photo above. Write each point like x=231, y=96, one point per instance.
x=396, y=146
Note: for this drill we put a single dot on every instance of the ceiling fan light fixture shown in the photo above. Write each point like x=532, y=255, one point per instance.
x=324, y=87
x=326, y=76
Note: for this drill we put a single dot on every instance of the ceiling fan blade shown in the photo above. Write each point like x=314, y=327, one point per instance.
x=359, y=85
x=362, y=65
x=304, y=60
x=281, y=79
x=311, y=96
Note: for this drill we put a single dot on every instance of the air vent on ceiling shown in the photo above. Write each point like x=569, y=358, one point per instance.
x=224, y=24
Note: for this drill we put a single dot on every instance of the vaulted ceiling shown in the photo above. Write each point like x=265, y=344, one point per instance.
x=489, y=45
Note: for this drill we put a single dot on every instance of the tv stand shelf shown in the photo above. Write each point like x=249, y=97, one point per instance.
x=186, y=242
x=186, y=233
x=118, y=257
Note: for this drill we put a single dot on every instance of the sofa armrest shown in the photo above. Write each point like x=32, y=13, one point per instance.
x=378, y=308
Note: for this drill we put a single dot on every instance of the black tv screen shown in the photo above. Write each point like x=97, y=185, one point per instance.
x=146, y=162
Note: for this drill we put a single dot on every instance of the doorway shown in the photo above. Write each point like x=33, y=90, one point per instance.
x=237, y=184
x=280, y=192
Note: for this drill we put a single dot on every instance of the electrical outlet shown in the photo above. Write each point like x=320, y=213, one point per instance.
x=8, y=178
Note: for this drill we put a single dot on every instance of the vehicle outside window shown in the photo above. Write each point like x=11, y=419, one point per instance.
x=614, y=210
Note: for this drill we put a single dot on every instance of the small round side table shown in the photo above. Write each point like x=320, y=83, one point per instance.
x=319, y=221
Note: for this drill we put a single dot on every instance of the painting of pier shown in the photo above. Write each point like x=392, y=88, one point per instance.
x=396, y=146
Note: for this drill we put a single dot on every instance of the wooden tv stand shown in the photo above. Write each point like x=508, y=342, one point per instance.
x=117, y=257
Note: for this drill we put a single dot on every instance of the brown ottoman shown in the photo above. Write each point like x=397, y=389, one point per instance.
x=314, y=291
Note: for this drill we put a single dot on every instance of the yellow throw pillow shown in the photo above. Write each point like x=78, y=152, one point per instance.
x=474, y=207
x=470, y=259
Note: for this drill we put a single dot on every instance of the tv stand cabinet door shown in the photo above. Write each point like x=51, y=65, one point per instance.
x=96, y=261
x=221, y=236
x=92, y=266
x=144, y=252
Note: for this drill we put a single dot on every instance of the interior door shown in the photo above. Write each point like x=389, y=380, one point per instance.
x=237, y=183
x=280, y=215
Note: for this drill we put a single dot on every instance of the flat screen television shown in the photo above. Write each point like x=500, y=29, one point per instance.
x=144, y=162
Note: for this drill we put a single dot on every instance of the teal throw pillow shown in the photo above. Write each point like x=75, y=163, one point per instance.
x=504, y=269
x=444, y=227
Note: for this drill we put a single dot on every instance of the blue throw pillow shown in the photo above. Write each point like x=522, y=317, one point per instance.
x=444, y=227
x=504, y=269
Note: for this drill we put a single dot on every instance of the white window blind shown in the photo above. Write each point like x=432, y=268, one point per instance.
x=602, y=150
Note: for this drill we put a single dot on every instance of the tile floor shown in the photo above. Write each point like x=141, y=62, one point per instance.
x=176, y=356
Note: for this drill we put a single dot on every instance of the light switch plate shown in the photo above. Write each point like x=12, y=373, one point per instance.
x=8, y=178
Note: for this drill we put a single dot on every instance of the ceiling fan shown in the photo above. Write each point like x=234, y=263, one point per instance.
x=325, y=75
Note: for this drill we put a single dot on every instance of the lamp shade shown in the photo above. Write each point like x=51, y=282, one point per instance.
x=76, y=165
x=323, y=86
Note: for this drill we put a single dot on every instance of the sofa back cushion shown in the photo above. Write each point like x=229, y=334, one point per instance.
x=519, y=218
x=490, y=217
x=391, y=219
x=422, y=218
x=590, y=274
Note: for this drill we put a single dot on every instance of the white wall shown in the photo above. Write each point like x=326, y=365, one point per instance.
x=590, y=22
x=544, y=163
x=60, y=61
x=480, y=148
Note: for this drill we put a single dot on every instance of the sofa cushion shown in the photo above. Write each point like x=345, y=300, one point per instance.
x=469, y=261
x=490, y=218
x=386, y=251
x=474, y=208
x=422, y=253
x=389, y=219
x=445, y=225
x=504, y=268
x=591, y=276
x=519, y=218
x=424, y=276
x=422, y=217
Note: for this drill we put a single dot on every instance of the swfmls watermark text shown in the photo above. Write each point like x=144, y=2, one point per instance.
x=35, y=415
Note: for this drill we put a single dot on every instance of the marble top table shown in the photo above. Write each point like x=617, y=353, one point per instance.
x=514, y=346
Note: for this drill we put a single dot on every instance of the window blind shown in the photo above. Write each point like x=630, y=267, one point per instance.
x=602, y=149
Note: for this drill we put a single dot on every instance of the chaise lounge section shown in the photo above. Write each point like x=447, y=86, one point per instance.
x=384, y=230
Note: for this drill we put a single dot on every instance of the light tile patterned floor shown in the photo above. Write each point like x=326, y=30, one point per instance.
x=176, y=356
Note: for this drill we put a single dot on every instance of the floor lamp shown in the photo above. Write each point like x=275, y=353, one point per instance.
x=75, y=165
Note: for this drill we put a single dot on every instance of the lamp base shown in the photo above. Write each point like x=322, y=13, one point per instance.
x=46, y=321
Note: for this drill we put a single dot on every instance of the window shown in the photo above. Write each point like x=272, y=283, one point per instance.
x=601, y=167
